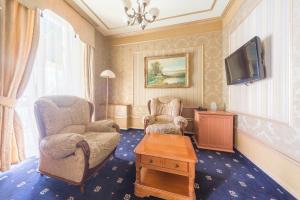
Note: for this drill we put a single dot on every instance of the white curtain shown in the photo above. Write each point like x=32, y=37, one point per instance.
x=58, y=70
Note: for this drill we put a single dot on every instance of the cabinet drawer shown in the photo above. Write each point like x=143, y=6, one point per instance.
x=150, y=160
x=175, y=165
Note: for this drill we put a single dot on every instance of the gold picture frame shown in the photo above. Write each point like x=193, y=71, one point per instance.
x=170, y=71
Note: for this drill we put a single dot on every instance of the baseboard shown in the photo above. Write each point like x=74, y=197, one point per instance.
x=278, y=166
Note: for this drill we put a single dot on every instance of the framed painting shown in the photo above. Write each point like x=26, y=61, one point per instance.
x=170, y=71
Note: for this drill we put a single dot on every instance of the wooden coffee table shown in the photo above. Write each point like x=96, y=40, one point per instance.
x=165, y=167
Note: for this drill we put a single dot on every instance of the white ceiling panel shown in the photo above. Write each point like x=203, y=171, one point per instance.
x=111, y=19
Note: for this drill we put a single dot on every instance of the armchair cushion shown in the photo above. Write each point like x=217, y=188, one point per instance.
x=80, y=129
x=168, y=128
x=59, y=146
x=180, y=120
x=101, y=145
x=164, y=119
x=60, y=112
x=167, y=107
x=102, y=126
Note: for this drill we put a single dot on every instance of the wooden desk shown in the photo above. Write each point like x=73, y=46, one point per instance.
x=165, y=167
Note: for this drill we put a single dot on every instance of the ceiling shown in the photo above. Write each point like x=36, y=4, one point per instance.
x=110, y=19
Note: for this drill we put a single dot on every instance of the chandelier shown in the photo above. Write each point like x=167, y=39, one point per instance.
x=140, y=15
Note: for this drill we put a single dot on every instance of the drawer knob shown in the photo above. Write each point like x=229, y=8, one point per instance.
x=150, y=161
x=176, y=166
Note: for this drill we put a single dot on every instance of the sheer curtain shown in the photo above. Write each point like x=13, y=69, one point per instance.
x=58, y=70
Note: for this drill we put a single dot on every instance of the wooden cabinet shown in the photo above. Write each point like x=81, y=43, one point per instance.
x=214, y=130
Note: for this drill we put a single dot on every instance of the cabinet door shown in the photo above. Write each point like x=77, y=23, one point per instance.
x=220, y=131
x=196, y=126
x=203, y=133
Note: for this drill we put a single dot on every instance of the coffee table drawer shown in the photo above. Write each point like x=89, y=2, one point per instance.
x=151, y=160
x=175, y=165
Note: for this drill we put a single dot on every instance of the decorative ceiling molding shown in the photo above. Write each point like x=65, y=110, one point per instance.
x=191, y=13
x=95, y=15
x=159, y=19
x=202, y=26
x=210, y=10
x=231, y=9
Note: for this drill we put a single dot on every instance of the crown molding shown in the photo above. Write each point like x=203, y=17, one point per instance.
x=201, y=26
x=106, y=26
x=231, y=10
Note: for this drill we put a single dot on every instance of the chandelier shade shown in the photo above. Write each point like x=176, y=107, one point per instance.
x=140, y=15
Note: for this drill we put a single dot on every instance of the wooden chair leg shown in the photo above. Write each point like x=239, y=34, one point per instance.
x=82, y=188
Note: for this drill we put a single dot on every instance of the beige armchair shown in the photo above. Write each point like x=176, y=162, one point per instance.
x=72, y=147
x=165, y=116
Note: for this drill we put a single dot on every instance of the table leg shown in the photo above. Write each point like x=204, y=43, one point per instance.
x=138, y=169
x=191, y=180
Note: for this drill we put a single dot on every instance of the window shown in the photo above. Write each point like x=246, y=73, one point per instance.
x=58, y=70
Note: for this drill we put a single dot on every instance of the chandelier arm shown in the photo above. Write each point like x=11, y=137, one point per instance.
x=139, y=15
x=148, y=20
x=144, y=8
x=133, y=22
x=129, y=15
x=139, y=6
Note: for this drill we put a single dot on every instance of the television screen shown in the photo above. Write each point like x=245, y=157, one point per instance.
x=245, y=64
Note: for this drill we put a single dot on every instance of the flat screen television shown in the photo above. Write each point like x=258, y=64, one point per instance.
x=245, y=65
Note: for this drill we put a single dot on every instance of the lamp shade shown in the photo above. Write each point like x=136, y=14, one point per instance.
x=154, y=12
x=107, y=74
x=127, y=3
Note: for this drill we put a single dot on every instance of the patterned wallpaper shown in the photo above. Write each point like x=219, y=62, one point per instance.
x=102, y=62
x=123, y=91
x=283, y=137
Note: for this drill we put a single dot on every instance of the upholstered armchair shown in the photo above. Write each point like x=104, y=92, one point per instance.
x=165, y=116
x=72, y=147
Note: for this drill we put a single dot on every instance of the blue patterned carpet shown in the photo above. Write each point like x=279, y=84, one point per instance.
x=219, y=176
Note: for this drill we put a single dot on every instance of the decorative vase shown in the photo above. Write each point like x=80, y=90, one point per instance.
x=213, y=106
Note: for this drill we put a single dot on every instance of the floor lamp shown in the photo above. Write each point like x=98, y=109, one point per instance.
x=107, y=74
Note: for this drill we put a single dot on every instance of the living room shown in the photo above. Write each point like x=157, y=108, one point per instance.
x=149, y=99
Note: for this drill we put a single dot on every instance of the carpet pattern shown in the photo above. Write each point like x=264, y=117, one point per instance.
x=218, y=176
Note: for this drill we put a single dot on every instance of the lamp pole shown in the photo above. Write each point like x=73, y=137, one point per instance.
x=106, y=98
x=107, y=74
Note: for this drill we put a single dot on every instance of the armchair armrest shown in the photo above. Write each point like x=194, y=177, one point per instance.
x=180, y=121
x=103, y=126
x=148, y=119
x=61, y=145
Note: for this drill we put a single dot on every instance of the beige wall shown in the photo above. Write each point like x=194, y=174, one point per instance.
x=102, y=62
x=269, y=132
x=128, y=64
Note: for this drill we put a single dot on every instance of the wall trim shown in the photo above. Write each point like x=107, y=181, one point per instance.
x=268, y=146
x=286, y=172
x=203, y=26
x=231, y=11
x=260, y=117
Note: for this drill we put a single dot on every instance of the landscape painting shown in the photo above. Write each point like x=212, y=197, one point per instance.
x=167, y=71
